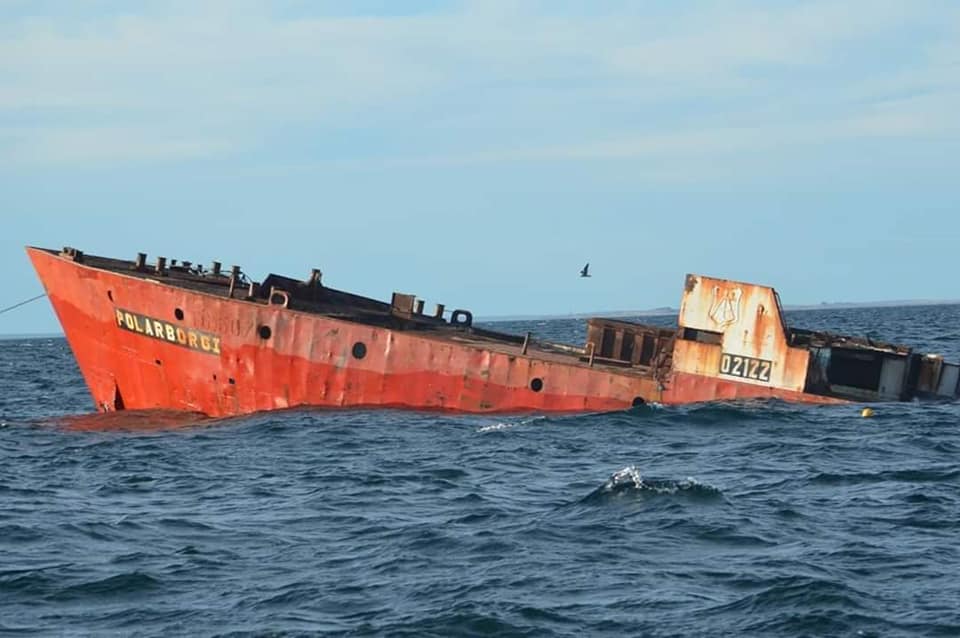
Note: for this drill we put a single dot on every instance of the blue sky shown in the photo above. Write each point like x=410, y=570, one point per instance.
x=478, y=153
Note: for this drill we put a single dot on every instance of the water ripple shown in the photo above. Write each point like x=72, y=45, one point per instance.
x=749, y=518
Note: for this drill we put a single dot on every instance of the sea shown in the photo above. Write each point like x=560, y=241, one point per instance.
x=726, y=519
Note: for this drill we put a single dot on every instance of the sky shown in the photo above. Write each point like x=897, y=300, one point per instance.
x=478, y=153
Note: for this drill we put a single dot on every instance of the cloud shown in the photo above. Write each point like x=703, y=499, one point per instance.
x=910, y=118
x=484, y=81
x=60, y=146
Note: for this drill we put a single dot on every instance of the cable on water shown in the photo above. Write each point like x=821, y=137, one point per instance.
x=22, y=303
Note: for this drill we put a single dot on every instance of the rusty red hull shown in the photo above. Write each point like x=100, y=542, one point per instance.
x=144, y=345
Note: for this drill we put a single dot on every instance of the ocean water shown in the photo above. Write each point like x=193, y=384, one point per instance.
x=733, y=519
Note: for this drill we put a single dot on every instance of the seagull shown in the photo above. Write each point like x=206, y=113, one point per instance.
x=584, y=272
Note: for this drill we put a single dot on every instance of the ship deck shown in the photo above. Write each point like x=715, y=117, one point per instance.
x=312, y=298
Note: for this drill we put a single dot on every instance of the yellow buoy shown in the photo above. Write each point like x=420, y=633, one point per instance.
x=866, y=412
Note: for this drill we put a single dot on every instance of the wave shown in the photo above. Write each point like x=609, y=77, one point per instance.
x=629, y=482
x=786, y=603
x=125, y=584
x=33, y=582
x=13, y=533
x=463, y=621
x=919, y=475
x=507, y=425
x=747, y=410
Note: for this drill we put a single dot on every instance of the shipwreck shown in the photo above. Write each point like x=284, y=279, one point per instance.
x=182, y=336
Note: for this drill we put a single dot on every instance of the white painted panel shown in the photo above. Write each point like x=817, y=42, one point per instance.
x=891, y=377
x=949, y=377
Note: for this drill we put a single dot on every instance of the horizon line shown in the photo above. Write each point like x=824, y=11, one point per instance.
x=659, y=312
x=653, y=312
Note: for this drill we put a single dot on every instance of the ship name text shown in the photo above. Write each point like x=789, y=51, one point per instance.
x=166, y=331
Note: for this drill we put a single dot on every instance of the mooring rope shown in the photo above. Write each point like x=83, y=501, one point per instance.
x=22, y=303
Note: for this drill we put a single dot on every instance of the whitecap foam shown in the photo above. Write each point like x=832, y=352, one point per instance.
x=625, y=477
x=507, y=425
x=493, y=427
x=629, y=479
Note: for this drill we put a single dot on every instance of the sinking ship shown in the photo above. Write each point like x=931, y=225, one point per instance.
x=181, y=336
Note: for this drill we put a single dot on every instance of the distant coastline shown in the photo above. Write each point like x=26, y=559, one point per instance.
x=615, y=314
x=665, y=310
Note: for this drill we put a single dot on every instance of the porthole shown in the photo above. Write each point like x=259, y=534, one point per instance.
x=231, y=381
x=264, y=332
x=158, y=362
x=178, y=313
x=359, y=350
x=110, y=295
x=536, y=384
x=638, y=401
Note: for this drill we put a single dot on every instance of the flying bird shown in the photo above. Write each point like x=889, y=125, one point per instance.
x=585, y=271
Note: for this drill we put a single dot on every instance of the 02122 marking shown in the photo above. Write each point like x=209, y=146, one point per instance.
x=735, y=365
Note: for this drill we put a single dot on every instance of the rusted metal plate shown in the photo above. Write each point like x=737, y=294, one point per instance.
x=752, y=335
x=306, y=359
x=690, y=388
x=929, y=378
